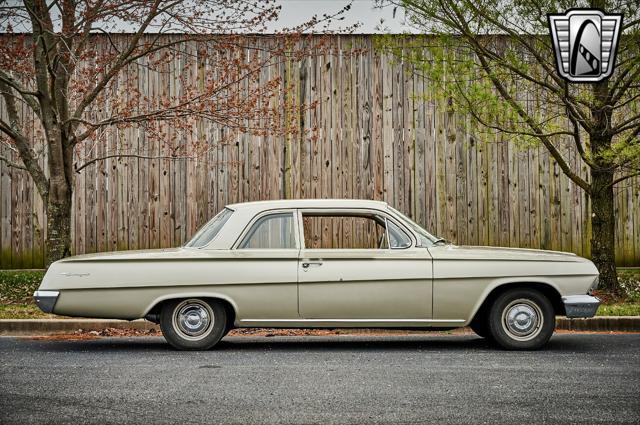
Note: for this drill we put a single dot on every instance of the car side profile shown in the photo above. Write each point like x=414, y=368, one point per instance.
x=324, y=264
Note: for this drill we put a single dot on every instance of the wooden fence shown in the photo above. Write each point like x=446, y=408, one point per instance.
x=375, y=140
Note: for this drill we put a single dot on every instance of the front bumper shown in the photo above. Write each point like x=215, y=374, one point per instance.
x=580, y=305
x=46, y=300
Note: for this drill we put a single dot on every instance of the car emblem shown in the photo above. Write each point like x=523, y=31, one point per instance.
x=585, y=43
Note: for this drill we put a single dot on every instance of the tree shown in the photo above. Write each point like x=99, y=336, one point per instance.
x=52, y=68
x=488, y=54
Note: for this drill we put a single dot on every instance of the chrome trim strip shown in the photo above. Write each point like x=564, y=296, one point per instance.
x=358, y=320
x=46, y=300
x=580, y=305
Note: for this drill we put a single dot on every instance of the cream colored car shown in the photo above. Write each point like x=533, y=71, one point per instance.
x=324, y=264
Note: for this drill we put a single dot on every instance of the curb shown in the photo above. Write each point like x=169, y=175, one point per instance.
x=600, y=323
x=22, y=327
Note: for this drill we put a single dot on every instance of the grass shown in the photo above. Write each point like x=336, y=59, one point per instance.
x=24, y=311
x=623, y=309
x=17, y=287
x=16, y=292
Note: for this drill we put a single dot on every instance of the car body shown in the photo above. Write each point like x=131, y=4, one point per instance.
x=263, y=264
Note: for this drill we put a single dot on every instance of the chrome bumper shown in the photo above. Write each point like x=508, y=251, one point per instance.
x=580, y=305
x=46, y=300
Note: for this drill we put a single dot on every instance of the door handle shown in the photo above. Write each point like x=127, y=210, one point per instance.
x=308, y=264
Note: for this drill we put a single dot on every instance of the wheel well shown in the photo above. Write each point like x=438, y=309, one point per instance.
x=154, y=313
x=547, y=290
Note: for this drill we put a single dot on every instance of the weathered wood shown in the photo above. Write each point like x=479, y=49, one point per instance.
x=524, y=177
x=450, y=169
x=473, y=187
x=154, y=170
x=5, y=205
x=387, y=129
x=326, y=184
x=514, y=196
x=503, y=192
x=482, y=198
x=378, y=132
x=544, y=199
x=336, y=133
x=430, y=158
x=377, y=160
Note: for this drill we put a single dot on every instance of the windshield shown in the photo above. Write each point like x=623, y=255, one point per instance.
x=209, y=230
x=424, y=237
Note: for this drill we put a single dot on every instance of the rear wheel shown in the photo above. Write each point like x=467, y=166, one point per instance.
x=193, y=324
x=521, y=319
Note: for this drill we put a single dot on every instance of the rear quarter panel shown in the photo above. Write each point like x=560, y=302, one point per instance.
x=128, y=289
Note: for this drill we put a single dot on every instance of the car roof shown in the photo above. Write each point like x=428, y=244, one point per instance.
x=308, y=203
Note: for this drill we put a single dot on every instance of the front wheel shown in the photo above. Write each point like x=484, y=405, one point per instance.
x=193, y=324
x=521, y=319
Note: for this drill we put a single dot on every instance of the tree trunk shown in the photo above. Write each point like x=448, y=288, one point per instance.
x=58, y=244
x=603, y=235
x=603, y=229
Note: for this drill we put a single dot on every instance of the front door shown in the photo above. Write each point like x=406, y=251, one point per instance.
x=267, y=253
x=361, y=266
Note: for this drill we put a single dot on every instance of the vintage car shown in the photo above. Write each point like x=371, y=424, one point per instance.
x=324, y=264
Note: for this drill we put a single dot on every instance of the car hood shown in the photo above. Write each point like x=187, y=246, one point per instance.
x=451, y=251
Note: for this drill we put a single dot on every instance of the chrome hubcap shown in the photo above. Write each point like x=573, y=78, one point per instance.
x=522, y=319
x=193, y=319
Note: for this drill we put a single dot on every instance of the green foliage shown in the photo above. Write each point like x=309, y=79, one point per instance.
x=457, y=82
x=18, y=286
x=626, y=309
x=629, y=281
x=493, y=61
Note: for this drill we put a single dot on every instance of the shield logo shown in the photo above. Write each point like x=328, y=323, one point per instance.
x=585, y=43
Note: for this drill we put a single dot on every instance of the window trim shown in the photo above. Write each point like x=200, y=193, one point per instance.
x=206, y=245
x=354, y=212
x=264, y=214
x=386, y=225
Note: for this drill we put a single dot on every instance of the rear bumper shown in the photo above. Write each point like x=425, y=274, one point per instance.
x=46, y=300
x=580, y=305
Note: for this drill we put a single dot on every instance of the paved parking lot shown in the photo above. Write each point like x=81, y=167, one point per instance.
x=580, y=378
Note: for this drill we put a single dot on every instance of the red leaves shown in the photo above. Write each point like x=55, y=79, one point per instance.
x=110, y=67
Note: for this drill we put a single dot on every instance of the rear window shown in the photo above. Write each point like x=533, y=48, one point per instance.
x=210, y=230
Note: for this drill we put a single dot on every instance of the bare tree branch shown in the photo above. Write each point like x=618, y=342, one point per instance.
x=79, y=168
x=623, y=178
x=12, y=129
x=28, y=96
x=12, y=164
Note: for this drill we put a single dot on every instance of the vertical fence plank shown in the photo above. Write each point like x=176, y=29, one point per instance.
x=5, y=215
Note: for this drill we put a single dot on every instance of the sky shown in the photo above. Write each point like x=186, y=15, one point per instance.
x=372, y=20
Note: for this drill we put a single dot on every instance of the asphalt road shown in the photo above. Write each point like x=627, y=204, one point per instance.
x=579, y=378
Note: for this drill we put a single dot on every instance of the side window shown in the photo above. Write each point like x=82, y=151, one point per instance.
x=344, y=232
x=275, y=231
x=397, y=238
